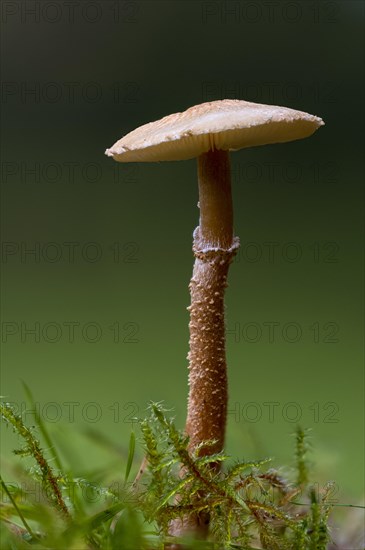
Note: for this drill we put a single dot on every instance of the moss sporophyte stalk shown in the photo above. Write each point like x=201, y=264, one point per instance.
x=209, y=131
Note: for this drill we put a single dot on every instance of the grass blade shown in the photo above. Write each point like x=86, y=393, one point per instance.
x=42, y=428
x=19, y=512
x=132, y=447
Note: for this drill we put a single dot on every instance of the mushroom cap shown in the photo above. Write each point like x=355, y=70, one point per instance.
x=228, y=124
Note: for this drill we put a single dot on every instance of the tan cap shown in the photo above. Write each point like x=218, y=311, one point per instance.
x=228, y=124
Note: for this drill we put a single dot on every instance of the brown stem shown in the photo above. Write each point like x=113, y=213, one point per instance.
x=215, y=199
x=214, y=248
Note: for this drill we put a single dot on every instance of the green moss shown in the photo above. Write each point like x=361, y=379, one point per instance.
x=249, y=505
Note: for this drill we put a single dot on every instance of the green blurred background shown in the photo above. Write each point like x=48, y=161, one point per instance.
x=106, y=286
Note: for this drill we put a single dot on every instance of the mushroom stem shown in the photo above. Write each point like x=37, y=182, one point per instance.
x=214, y=248
x=215, y=199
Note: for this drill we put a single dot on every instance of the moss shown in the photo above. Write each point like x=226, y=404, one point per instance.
x=246, y=504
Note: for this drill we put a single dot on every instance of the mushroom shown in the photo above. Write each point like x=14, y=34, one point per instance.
x=209, y=131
